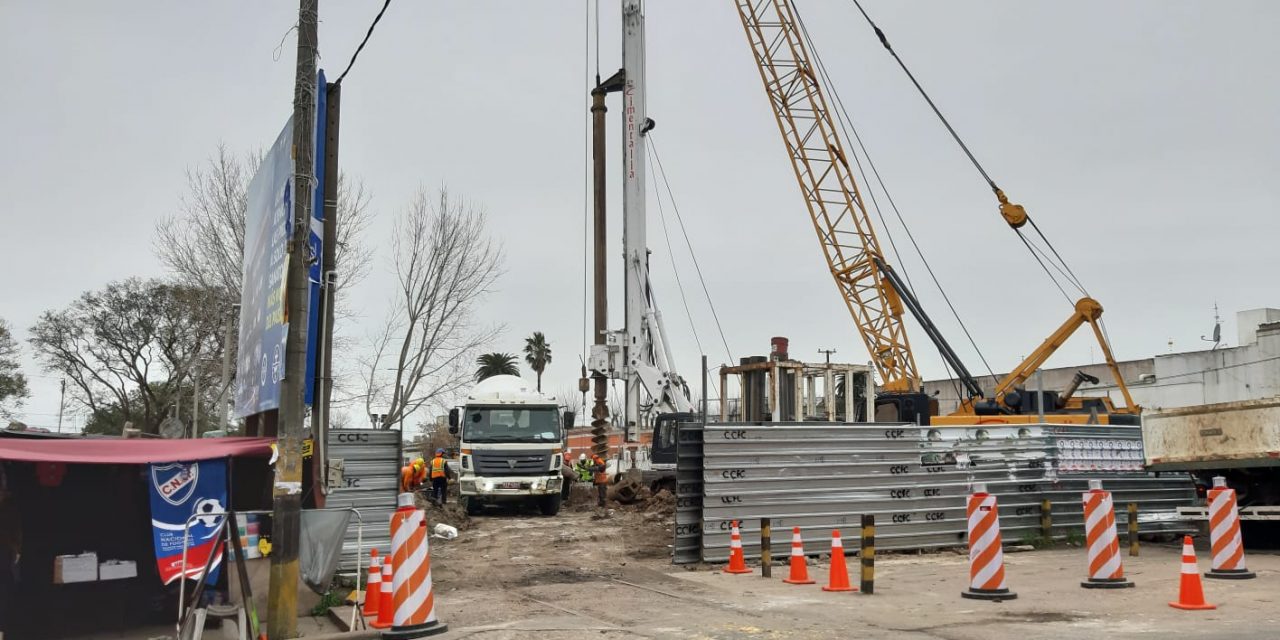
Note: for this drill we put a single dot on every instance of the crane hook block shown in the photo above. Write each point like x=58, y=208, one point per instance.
x=1014, y=214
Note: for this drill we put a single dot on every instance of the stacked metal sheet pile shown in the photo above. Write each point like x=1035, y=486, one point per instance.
x=913, y=479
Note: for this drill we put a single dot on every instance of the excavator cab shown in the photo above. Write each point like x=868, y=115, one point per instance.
x=915, y=408
x=662, y=451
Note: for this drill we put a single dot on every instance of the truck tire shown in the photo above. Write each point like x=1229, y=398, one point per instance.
x=549, y=505
x=471, y=506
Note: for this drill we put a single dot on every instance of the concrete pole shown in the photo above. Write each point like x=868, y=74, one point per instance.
x=282, y=597
x=225, y=381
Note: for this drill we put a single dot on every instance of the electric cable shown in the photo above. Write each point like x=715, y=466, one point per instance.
x=846, y=124
x=662, y=173
x=367, y=34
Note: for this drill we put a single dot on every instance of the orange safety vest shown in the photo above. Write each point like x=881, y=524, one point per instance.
x=601, y=477
x=406, y=479
x=437, y=467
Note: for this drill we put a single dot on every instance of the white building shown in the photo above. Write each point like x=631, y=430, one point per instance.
x=1248, y=371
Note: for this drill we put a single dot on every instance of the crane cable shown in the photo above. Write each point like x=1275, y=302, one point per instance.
x=846, y=123
x=662, y=173
x=1069, y=274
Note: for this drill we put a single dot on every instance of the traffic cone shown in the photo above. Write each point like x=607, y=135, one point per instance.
x=386, y=601
x=373, y=588
x=1226, y=547
x=737, y=561
x=799, y=569
x=1190, y=592
x=838, y=578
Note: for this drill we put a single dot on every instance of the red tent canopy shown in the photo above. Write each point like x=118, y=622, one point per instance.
x=131, y=451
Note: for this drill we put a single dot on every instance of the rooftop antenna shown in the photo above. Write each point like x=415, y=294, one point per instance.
x=1217, y=329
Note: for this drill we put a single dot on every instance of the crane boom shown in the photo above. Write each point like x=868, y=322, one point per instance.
x=822, y=170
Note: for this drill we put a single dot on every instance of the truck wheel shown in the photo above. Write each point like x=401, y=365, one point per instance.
x=470, y=505
x=549, y=505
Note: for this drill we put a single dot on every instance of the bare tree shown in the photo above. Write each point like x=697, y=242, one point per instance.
x=13, y=385
x=445, y=261
x=203, y=243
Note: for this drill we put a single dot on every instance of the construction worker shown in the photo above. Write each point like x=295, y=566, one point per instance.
x=582, y=468
x=439, y=478
x=413, y=475
x=600, y=476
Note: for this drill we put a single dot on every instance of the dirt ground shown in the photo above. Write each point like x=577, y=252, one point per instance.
x=514, y=575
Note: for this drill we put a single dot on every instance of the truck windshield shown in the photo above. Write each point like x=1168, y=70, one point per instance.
x=511, y=424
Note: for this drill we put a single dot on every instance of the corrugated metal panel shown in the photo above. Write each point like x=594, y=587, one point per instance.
x=822, y=476
x=371, y=479
x=688, y=535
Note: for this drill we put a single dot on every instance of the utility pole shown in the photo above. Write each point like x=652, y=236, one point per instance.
x=328, y=295
x=225, y=382
x=827, y=353
x=62, y=402
x=282, y=597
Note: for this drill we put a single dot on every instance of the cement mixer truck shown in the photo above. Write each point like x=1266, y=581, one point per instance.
x=511, y=441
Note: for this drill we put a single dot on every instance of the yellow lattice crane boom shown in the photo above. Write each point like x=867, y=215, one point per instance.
x=830, y=192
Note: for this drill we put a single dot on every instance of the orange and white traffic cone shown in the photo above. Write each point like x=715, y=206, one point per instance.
x=373, y=589
x=386, y=599
x=1190, y=592
x=838, y=577
x=986, y=556
x=413, y=602
x=1226, y=547
x=799, y=568
x=1105, y=568
x=737, y=561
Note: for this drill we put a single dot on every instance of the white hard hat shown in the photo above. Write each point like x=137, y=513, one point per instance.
x=582, y=456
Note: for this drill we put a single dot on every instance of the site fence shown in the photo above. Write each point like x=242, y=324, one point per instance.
x=913, y=479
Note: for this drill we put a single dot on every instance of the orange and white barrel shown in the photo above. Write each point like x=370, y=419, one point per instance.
x=1105, y=568
x=986, y=556
x=412, y=596
x=1226, y=547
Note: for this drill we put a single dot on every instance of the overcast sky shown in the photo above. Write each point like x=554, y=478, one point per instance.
x=1142, y=136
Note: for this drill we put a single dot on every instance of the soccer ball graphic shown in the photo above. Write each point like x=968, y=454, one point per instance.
x=209, y=510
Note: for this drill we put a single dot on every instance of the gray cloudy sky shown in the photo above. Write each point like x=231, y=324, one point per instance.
x=1141, y=135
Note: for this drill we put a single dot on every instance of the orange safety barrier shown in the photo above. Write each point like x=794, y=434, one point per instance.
x=986, y=556
x=1102, y=544
x=1226, y=547
x=413, y=601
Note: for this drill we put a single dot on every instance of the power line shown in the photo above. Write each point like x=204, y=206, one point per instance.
x=675, y=207
x=360, y=48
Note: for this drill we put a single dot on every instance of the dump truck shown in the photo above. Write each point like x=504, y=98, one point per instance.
x=1239, y=441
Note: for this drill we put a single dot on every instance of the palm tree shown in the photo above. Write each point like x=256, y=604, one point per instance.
x=496, y=364
x=538, y=354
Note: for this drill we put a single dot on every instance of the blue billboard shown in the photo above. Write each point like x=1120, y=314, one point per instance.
x=264, y=324
x=263, y=328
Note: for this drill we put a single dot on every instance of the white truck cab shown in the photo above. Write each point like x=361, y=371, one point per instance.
x=511, y=441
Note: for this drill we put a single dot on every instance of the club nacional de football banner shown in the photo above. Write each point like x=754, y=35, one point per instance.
x=180, y=490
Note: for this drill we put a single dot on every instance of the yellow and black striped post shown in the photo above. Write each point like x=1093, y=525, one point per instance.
x=1133, y=529
x=868, y=555
x=1046, y=521
x=766, y=549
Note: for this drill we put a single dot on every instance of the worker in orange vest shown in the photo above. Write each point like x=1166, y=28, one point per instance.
x=439, y=478
x=599, y=476
x=413, y=475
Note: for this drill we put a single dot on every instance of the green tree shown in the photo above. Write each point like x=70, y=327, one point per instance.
x=129, y=350
x=496, y=364
x=13, y=385
x=537, y=352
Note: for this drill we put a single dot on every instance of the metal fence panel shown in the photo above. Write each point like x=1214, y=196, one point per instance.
x=687, y=546
x=371, y=479
x=915, y=480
